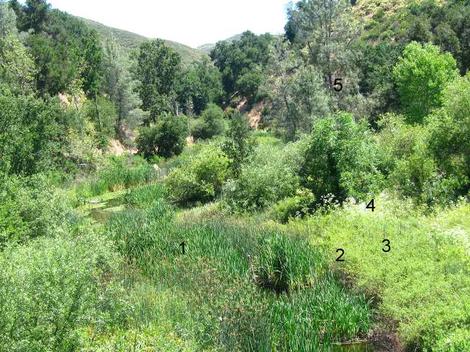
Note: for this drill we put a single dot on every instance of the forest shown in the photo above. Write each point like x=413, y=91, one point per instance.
x=307, y=191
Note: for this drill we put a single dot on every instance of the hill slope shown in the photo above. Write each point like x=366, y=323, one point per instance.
x=131, y=41
x=207, y=48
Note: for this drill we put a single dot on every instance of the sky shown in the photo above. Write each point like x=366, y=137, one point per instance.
x=190, y=22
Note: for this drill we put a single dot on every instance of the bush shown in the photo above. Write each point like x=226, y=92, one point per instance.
x=52, y=288
x=269, y=177
x=200, y=178
x=167, y=138
x=450, y=134
x=294, y=207
x=210, y=124
x=341, y=160
x=30, y=208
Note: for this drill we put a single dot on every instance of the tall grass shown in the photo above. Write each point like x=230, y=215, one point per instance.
x=228, y=282
x=116, y=174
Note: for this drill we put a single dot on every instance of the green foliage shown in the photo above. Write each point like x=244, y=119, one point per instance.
x=16, y=65
x=237, y=145
x=157, y=69
x=200, y=178
x=282, y=265
x=199, y=86
x=166, y=138
x=297, y=95
x=432, y=314
x=341, y=160
x=241, y=64
x=210, y=123
x=449, y=128
x=270, y=176
x=30, y=208
x=103, y=114
x=52, y=288
x=116, y=174
x=293, y=207
x=144, y=196
x=325, y=29
x=421, y=75
x=31, y=136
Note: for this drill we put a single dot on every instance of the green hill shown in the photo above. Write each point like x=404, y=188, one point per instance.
x=131, y=41
x=207, y=48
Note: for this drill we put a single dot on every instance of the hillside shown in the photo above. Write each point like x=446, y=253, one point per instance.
x=131, y=41
x=207, y=48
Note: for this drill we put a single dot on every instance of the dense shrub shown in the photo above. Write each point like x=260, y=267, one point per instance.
x=410, y=165
x=200, y=178
x=341, y=160
x=210, y=124
x=166, y=138
x=299, y=205
x=53, y=288
x=30, y=208
x=450, y=134
x=270, y=176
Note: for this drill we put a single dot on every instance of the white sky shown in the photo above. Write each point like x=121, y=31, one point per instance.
x=191, y=22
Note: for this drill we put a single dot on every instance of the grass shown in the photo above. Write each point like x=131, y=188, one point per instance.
x=224, y=279
x=423, y=283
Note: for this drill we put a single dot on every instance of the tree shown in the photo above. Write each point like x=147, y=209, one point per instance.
x=93, y=70
x=166, y=138
x=421, y=75
x=241, y=64
x=7, y=21
x=450, y=131
x=17, y=68
x=237, y=145
x=36, y=15
x=327, y=29
x=296, y=93
x=199, y=86
x=157, y=70
x=118, y=83
x=210, y=123
x=340, y=160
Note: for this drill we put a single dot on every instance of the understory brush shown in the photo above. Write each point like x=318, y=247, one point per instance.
x=32, y=207
x=53, y=288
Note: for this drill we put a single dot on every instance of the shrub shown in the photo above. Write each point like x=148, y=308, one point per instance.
x=270, y=176
x=200, y=178
x=30, y=208
x=450, y=134
x=52, y=288
x=210, y=124
x=294, y=207
x=341, y=160
x=167, y=138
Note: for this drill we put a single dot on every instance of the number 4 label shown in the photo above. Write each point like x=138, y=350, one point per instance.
x=371, y=205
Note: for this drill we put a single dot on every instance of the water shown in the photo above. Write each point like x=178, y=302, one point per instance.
x=103, y=211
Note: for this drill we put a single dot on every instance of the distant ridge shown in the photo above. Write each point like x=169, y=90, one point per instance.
x=131, y=41
x=207, y=48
